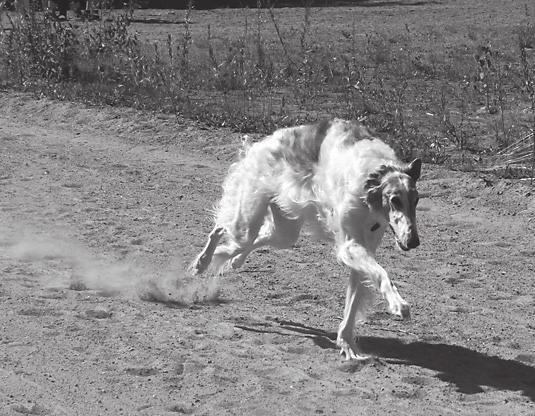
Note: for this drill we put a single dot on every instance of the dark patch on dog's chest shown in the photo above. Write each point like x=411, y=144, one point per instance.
x=375, y=226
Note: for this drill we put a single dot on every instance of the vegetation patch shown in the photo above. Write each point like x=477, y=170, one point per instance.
x=441, y=94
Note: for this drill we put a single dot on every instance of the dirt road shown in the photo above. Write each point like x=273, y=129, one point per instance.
x=100, y=210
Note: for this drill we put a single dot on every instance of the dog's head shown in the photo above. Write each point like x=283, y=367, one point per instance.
x=391, y=191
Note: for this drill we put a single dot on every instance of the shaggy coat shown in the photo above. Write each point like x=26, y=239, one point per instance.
x=334, y=176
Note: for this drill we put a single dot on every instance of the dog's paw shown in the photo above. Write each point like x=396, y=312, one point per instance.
x=237, y=261
x=406, y=312
x=401, y=309
x=193, y=269
x=199, y=265
x=349, y=354
x=216, y=234
x=350, y=351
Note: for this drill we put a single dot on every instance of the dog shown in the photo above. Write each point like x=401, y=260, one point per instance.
x=334, y=175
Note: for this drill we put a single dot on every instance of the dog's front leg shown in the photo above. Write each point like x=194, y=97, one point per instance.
x=396, y=304
x=357, y=297
x=362, y=261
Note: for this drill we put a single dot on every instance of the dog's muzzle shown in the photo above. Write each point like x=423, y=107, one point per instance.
x=412, y=242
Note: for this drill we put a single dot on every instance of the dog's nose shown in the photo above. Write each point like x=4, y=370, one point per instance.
x=414, y=242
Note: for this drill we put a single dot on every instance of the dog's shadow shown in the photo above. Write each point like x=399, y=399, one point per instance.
x=463, y=367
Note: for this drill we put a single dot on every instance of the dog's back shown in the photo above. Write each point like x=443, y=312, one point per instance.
x=302, y=165
x=305, y=166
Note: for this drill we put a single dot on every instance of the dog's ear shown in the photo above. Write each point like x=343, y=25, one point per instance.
x=374, y=198
x=374, y=194
x=414, y=169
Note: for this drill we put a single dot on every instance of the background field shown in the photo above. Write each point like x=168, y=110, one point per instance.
x=104, y=204
x=437, y=79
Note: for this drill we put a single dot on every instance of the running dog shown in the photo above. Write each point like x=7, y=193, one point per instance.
x=335, y=176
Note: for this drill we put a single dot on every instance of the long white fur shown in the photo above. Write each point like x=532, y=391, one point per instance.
x=324, y=175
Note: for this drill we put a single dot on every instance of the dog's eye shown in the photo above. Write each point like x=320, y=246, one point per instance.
x=396, y=202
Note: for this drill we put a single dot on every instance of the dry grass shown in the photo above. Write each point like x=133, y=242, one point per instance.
x=436, y=78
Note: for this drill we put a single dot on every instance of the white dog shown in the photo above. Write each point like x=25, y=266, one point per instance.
x=335, y=176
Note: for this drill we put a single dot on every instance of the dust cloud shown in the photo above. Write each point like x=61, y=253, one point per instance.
x=79, y=269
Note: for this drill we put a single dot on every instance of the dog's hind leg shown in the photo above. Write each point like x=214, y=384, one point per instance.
x=243, y=219
x=203, y=260
x=277, y=231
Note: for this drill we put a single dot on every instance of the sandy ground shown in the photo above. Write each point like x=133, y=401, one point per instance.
x=100, y=211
